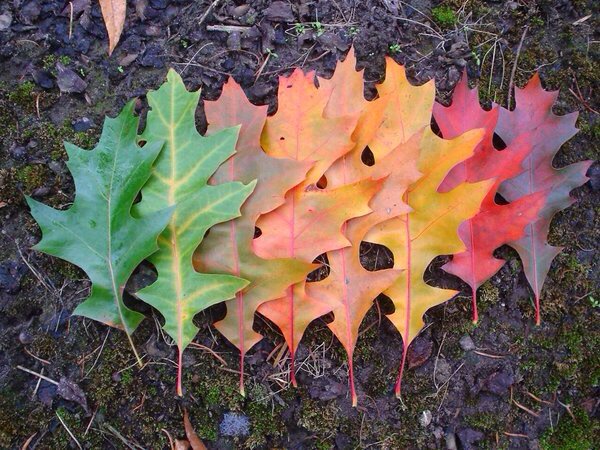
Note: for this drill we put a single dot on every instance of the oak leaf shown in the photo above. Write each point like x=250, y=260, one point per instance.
x=429, y=230
x=495, y=225
x=180, y=181
x=348, y=281
x=229, y=246
x=310, y=221
x=547, y=132
x=98, y=232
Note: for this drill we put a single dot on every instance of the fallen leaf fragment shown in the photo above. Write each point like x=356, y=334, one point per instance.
x=113, y=12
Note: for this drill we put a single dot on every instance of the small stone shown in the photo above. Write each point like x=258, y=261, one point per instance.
x=43, y=79
x=469, y=437
x=451, y=441
x=116, y=377
x=235, y=425
x=5, y=21
x=158, y=4
x=498, y=383
x=18, y=152
x=82, y=124
x=594, y=174
x=25, y=338
x=280, y=12
x=443, y=371
x=466, y=343
x=425, y=418
x=68, y=81
x=239, y=11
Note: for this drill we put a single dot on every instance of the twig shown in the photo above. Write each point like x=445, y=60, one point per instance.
x=207, y=12
x=488, y=355
x=514, y=68
x=516, y=435
x=43, y=377
x=28, y=441
x=43, y=361
x=227, y=28
x=209, y=350
x=524, y=408
x=68, y=431
x=71, y=20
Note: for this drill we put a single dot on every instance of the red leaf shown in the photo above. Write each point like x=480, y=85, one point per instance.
x=495, y=225
x=547, y=132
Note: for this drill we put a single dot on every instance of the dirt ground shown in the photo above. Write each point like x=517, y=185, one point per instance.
x=502, y=384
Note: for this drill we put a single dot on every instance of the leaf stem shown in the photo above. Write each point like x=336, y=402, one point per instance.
x=474, y=305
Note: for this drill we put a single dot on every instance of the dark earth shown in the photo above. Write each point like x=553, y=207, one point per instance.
x=504, y=383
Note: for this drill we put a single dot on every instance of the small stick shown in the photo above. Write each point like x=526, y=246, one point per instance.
x=43, y=377
x=43, y=361
x=516, y=435
x=71, y=20
x=68, y=431
x=28, y=441
x=227, y=28
x=514, y=68
x=207, y=12
x=90, y=422
x=524, y=408
x=209, y=350
x=488, y=355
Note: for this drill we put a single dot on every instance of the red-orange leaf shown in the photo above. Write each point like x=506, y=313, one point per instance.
x=310, y=221
x=228, y=247
x=349, y=287
x=494, y=225
x=547, y=132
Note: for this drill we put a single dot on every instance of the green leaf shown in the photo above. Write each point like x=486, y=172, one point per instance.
x=98, y=232
x=180, y=181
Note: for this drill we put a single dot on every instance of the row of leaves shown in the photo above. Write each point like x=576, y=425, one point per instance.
x=299, y=177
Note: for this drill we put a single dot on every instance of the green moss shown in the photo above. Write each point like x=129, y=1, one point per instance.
x=319, y=417
x=579, y=434
x=489, y=422
x=49, y=62
x=444, y=16
x=22, y=95
x=32, y=176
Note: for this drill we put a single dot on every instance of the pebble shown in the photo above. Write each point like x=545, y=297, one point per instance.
x=280, y=12
x=68, y=81
x=443, y=371
x=82, y=124
x=466, y=343
x=5, y=21
x=25, y=338
x=594, y=174
x=43, y=79
x=425, y=418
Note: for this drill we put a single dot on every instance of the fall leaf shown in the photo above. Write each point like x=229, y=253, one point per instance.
x=429, y=230
x=348, y=280
x=180, y=181
x=495, y=224
x=309, y=223
x=228, y=247
x=547, y=132
x=98, y=233
x=113, y=12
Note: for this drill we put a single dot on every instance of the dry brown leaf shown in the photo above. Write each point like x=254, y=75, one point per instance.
x=195, y=441
x=113, y=12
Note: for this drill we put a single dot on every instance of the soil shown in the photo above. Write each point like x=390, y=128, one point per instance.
x=504, y=383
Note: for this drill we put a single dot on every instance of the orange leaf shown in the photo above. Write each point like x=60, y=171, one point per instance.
x=309, y=223
x=397, y=168
x=113, y=12
x=228, y=247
